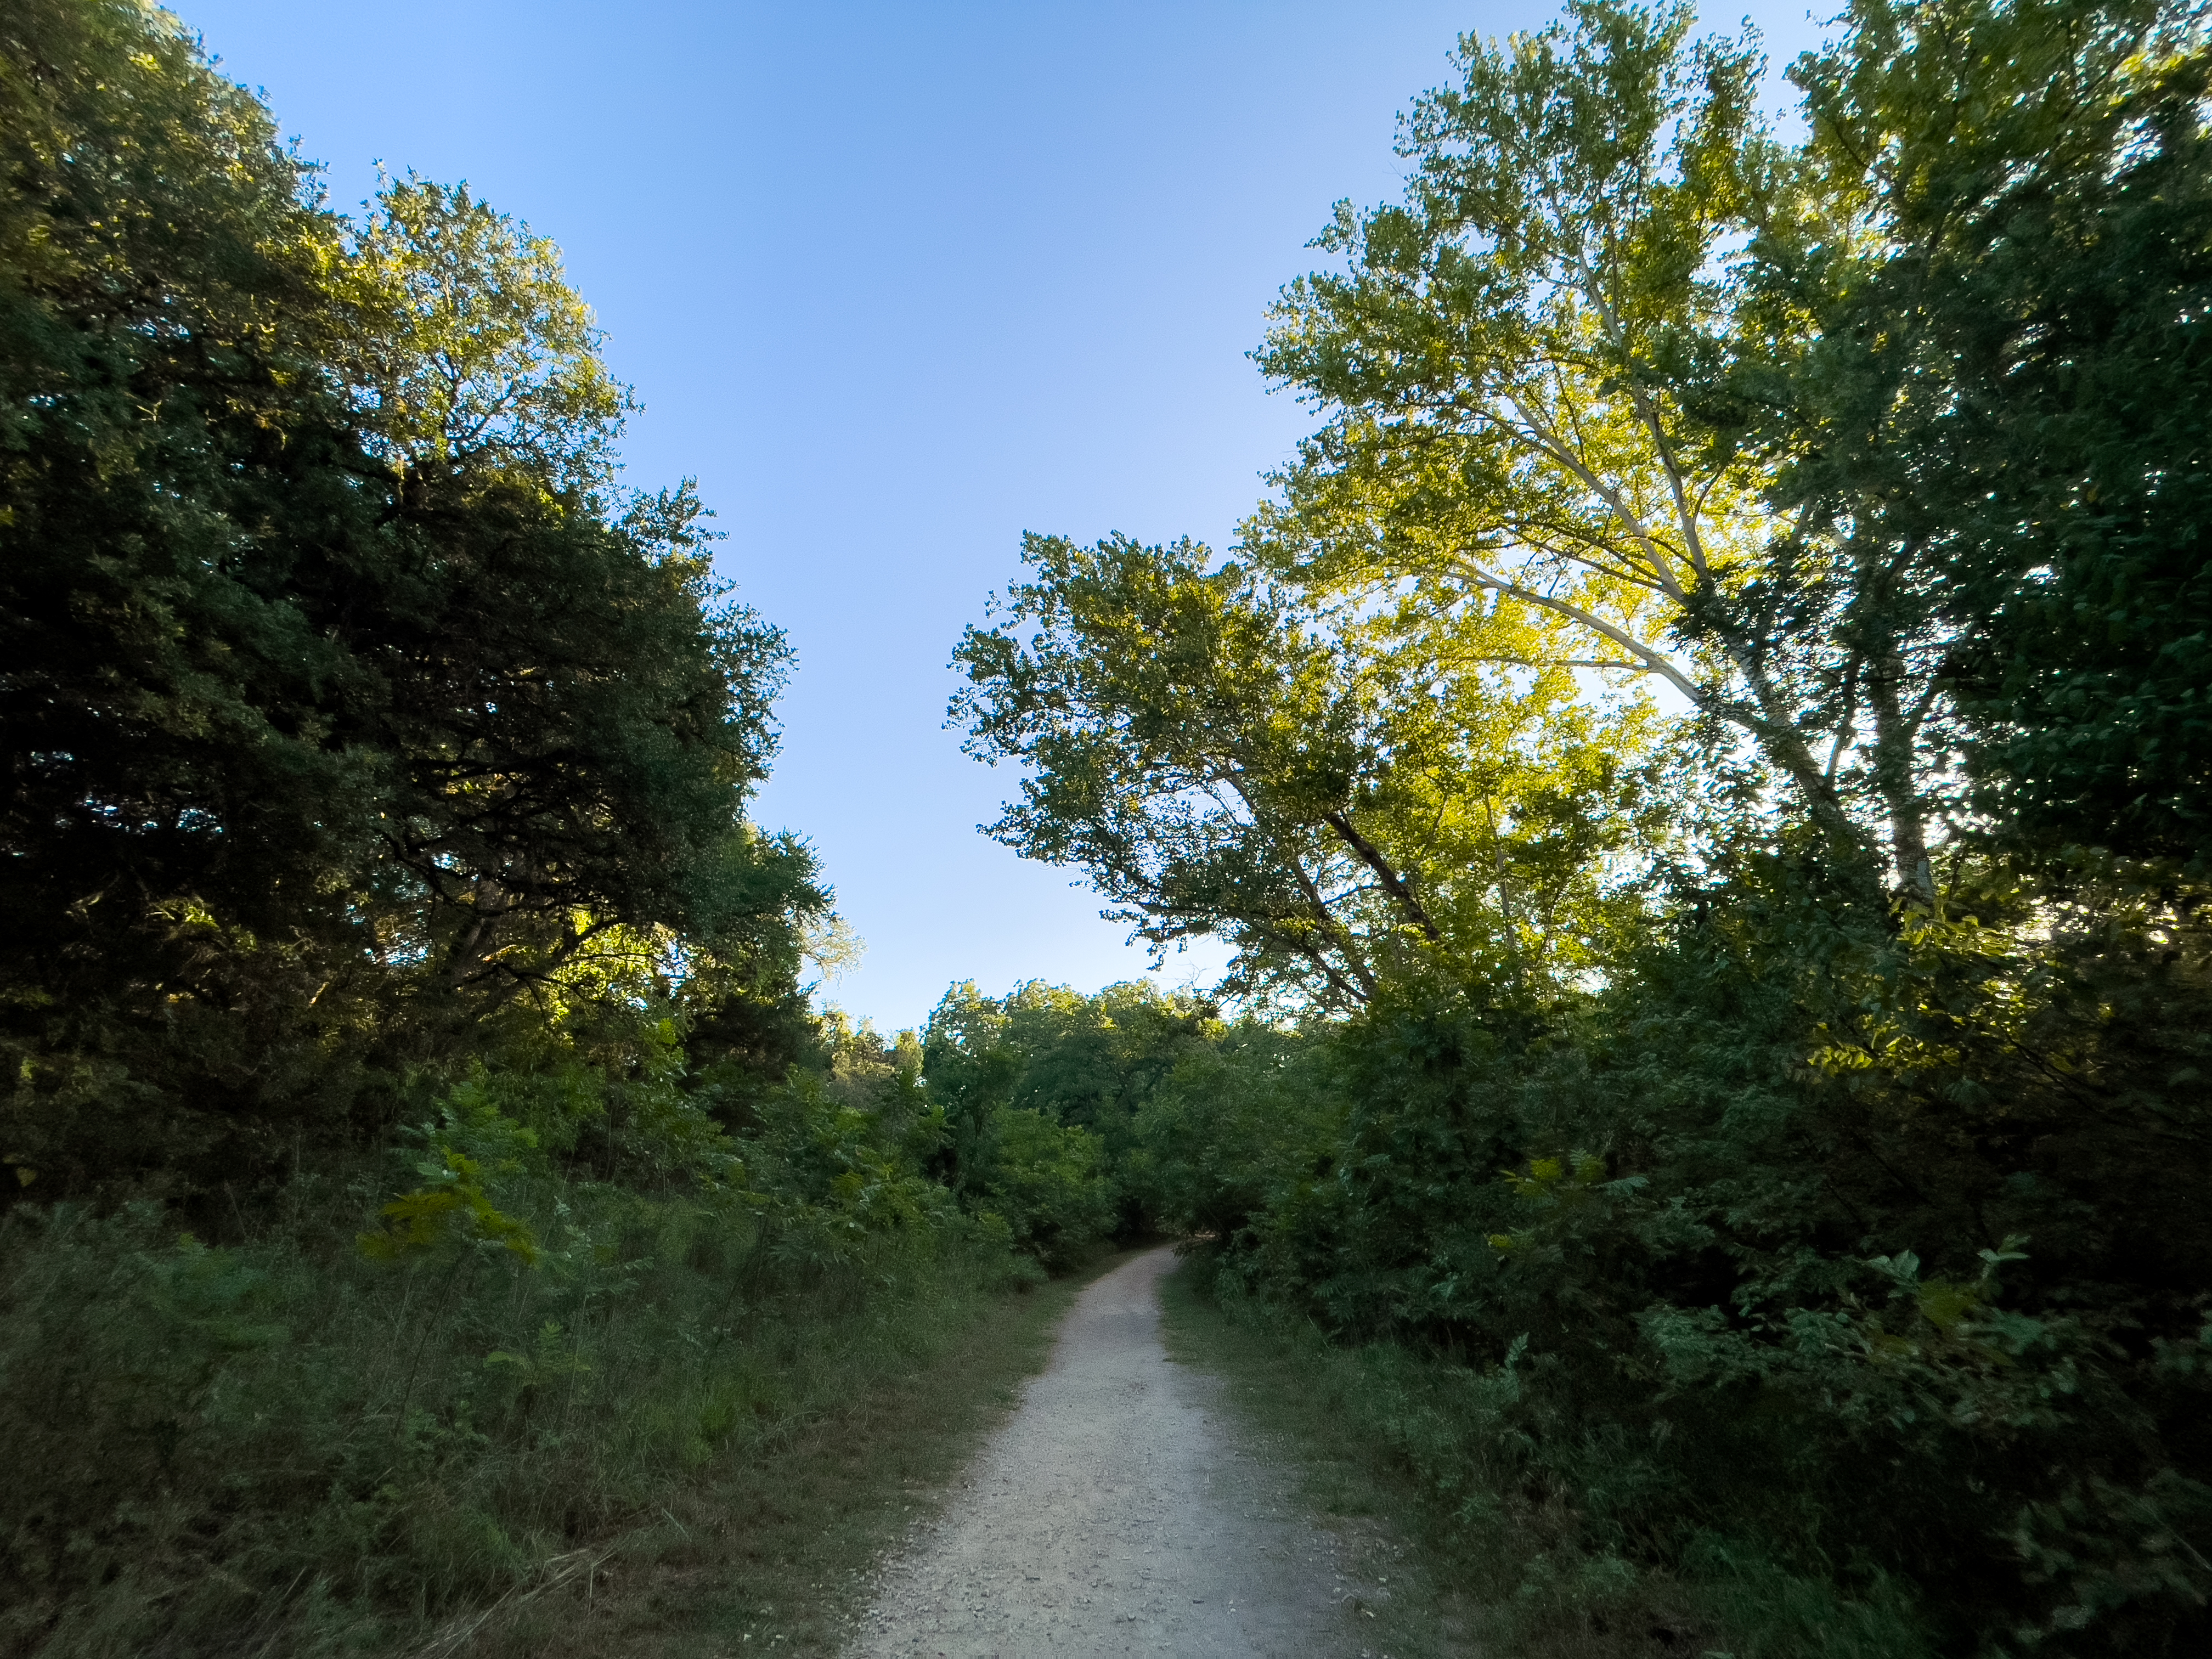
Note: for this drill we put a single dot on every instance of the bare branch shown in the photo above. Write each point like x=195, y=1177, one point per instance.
x=1655, y=661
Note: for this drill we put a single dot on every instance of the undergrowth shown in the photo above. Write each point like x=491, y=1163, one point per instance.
x=285, y=1445
x=1484, y=1563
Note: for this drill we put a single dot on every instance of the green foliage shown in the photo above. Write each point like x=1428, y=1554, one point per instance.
x=1997, y=399
x=385, y=910
x=1233, y=1131
x=1749, y=1168
x=1036, y=1100
x=281, y=1443
x=1713, y=1276
x=1046, y=1187
x=1435, y=1446
x=454, y=375
x=1804, y=1223
x=319, y=1438
x=1348, y=800
x=454, y=1202
x=1519, y=448
x=348, y=706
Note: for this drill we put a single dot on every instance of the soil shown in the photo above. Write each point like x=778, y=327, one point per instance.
x=1117, y=1513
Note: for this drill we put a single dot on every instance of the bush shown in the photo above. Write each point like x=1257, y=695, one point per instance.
x=1047, y=1184
x=1827, y=1262
x=369, y=1410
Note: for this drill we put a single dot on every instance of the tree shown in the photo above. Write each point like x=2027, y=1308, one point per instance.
x=1534, y=371
x=170, y=463
x=462, y=349
x=1344, y=804
x=345, y=701
x=1019, y=1151
x=1995, y=410
x=1837, y=1248
x=1496, y=359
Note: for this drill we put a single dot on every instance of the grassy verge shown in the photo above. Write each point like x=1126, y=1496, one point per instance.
x=1458, y=1572
x=672, y=1428
x=768, y=1551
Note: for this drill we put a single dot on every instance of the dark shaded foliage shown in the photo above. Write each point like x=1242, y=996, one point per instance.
x=317, y=758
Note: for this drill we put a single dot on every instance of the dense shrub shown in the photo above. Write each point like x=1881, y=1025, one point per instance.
x=364, y=1413
x=1825, y=1262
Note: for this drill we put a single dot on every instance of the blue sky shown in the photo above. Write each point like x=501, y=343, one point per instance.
x=896, y=282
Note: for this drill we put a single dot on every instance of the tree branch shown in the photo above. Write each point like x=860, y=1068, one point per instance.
x=1393, y=884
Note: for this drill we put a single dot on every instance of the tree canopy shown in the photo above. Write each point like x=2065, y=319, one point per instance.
x=1701, y=759
x=1347, y=801
x=347, y=698
x=1702, y=752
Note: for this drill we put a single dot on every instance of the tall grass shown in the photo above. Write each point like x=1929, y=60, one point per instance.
x=284, y=1444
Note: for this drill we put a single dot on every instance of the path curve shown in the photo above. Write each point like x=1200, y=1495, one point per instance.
x=1115, y=1514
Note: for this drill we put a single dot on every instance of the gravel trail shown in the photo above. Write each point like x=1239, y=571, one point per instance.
x=1116, y=1514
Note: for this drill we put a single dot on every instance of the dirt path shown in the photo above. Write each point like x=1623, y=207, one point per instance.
x=1115, y=1514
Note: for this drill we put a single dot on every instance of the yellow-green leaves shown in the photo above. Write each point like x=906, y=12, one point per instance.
x=1348, y=794
x=1519, y=440
x=463, y=346
x=1557, y=1180
x=1490, y=357
x=1555, y=1193
x=455, y=1205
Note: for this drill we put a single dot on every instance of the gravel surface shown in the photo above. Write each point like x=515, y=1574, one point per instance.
x=1116, y=1514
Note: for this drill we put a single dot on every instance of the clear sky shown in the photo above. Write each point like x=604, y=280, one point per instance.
x=896, y=282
